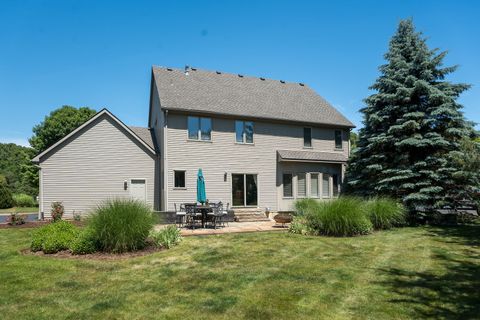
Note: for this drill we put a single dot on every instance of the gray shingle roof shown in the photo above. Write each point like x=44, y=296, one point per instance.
x=291, y=155
x=145, y=134
x=235, y=95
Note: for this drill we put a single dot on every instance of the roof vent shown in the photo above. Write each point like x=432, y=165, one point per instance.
x=240, y=75
x=263, y=79
x=218, y=72
x=186, y=70
x=301, y=84
x=169, y=69
x=282, y=81
x=194, y=69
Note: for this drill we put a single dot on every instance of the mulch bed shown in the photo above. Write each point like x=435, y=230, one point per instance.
x=36, y=224
x=94, y=256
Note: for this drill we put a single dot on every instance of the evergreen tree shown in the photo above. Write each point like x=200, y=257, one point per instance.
x=413, y=126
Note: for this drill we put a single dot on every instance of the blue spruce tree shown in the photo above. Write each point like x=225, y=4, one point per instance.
x=413, y=127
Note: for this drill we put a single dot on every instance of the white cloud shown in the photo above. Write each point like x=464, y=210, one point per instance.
x=19, y=141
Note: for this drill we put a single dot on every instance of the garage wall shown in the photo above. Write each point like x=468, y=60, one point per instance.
x=92, y=166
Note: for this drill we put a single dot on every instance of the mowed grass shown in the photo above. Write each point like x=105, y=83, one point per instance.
x=19, y=210
x=407, y=273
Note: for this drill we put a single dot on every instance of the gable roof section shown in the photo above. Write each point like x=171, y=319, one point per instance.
x=311, y=156
x=237, y=95
x=37, y=158
x=145, y=134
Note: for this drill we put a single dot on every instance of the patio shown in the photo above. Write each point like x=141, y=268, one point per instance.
x=232, y=227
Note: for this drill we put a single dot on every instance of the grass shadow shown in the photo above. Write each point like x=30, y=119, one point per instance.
x=448, y=292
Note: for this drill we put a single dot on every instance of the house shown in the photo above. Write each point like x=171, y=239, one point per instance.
x=261, y=143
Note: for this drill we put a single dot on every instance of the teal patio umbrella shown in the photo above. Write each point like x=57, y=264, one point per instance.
x=201, y=193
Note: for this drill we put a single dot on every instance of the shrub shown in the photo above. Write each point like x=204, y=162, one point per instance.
x=84, y=243
x=23, y=200
x=167, y=237
x=16, y=219
x=121, y=225
x=304, y=206
x=57, y=211
x=344, y=216
x=6, y=200
x=299, y=226
x=54, y=237
x=385, y=213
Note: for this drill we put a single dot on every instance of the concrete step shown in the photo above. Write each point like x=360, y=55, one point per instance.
x=249, y=215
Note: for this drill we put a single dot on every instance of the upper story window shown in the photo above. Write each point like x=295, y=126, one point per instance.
x=243, y=131
x=199, y=128
x=338, y=139
x=307, y=137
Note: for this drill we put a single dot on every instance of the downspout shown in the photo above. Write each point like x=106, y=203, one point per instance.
x=165, y=160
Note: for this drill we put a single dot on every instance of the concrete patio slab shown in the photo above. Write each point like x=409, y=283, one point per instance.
x=233, y=227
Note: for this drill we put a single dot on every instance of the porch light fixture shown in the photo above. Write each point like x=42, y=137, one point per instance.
x=125, y=185
x=225, y=177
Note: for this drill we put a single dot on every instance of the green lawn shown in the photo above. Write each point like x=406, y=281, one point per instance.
x=19, y=209
x=402, y=274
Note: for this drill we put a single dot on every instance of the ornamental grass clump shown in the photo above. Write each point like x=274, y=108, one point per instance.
x=121, y=225
x=304, y=206
x=167, y=237
x=344, y=216
x=385, y=213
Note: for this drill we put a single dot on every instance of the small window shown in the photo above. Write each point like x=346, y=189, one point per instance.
x=314, y=185
x=325, y=185
x=307, y=137
x=244, y=131
x=287, y=185
x=179, y=177
x=199, y=128
x=338, y=139
x=335, y=185
x=301, y=185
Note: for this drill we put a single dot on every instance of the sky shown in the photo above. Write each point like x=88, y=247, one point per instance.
x=99, y=53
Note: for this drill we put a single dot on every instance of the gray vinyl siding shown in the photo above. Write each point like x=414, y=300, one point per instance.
x=223, y=155
x=92, y=166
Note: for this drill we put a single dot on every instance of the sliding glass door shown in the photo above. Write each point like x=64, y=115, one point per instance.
x=244, y=190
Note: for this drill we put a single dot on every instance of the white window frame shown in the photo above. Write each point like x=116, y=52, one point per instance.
x=319, y=175
x=311, y=138
x=283, y=186
x=244, y=135
x=185, y=178
x=199, y=133
x=245, y=189
x=335, y=141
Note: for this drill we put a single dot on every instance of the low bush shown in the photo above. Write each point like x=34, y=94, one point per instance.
x=57, y=211
x=299, y=226
x=121, y=225
x=344, y=216
x=23, y=200
x=54, y=237
x=6, y=200
x=385, y=213
x=84, y=243
x=167, y=237
x=16, y=219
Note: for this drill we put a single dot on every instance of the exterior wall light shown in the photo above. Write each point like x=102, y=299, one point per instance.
x=125, y=185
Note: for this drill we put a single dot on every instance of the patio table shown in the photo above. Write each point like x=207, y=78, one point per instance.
x=204, y=210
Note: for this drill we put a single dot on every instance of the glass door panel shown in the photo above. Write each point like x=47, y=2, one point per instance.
x=251, y=189
x=238, y=188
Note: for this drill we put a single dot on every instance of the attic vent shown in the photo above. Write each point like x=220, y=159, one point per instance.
x=169, y=69
x=218, y=72
x=263, y=79
x=301, y=84
x=282, y=81
x=240, y=75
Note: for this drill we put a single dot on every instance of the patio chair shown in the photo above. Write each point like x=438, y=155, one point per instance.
x=190, y=214
x=225, y=214
x=217, y=215
x=180, y=214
